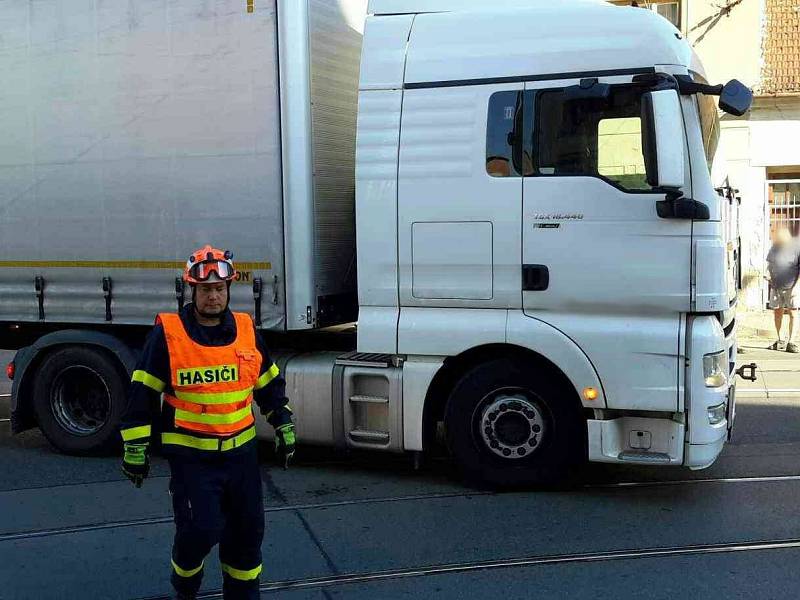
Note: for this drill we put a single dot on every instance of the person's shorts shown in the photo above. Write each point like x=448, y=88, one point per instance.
x=784, y=299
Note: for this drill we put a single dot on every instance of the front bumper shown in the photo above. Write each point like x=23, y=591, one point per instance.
x=614, y=441
x=702, y=456
x=636, y=440
x=687, y=438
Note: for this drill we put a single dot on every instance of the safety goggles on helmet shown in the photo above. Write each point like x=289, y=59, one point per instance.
x=209, y=263
x=202, y=271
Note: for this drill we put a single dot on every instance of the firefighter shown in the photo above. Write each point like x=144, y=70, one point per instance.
x=209, y=363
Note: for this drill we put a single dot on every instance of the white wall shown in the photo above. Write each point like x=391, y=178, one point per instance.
x=729, y=45
x=775, y=132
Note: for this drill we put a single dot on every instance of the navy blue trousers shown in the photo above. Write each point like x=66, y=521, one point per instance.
x=218, y=499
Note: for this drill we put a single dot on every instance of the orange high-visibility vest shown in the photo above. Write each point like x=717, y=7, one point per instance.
x=213, y=386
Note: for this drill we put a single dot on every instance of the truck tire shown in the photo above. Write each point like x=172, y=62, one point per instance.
x=78, y=398
x=511, y=426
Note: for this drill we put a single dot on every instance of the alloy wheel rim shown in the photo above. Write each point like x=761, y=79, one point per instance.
x=512, y=424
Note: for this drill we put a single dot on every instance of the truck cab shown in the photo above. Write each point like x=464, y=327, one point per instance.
x=533, y=186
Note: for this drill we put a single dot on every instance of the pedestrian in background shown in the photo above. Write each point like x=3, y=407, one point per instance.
x=783, y=269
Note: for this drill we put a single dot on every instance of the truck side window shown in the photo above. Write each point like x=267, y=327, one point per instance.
x=619, y=152
x=502, y=122
x=591, y=137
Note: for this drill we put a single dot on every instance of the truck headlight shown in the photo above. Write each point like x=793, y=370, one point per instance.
x=715, y=369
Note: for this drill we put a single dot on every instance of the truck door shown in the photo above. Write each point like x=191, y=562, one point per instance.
x=598, y=262
x=459, y=197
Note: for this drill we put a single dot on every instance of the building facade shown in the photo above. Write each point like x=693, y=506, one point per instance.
x=757, y=42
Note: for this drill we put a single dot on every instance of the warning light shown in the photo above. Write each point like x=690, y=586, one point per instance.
x=590, y=393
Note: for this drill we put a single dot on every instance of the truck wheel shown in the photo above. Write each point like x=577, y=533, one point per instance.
x=78, y=398
x=509, y=425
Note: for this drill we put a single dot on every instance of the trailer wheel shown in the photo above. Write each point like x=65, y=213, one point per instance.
x=78, y=398
x=509, y=425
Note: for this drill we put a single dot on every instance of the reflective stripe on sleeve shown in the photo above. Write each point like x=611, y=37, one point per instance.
x=154, y=383
x=241, y=574
x=135, y=454
x=267, y=376
x=286, y=406
x=186, y=572
x=135, y=433
x=190, y=441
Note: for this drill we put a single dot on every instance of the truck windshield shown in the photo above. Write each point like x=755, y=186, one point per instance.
x=709, y=123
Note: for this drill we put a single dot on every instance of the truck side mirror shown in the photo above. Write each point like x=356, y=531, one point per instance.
x=662, y=139
x=735, y=98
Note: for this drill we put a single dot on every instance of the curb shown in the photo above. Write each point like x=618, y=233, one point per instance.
x=761, y=343
x=755, y=334
x=768, y=394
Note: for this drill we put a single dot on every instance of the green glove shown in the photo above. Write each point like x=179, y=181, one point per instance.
x=136, y=462
x=284, y=443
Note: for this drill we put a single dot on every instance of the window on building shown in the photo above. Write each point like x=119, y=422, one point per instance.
x=783, y=173
x=784, y=206
x=591, y=137
x=505, y=112
x=671, y=11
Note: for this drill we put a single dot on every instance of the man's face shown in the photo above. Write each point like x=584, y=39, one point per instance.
x=211, y=298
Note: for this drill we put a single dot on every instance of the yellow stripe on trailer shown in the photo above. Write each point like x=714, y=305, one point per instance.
x=118, y=264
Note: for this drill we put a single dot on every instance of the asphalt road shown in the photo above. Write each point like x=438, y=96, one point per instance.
x=370, y=526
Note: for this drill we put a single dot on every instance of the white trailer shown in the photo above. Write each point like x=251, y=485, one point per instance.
x=135, y=130
x=541, y=253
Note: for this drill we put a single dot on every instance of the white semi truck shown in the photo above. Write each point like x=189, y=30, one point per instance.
x=513, y=198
